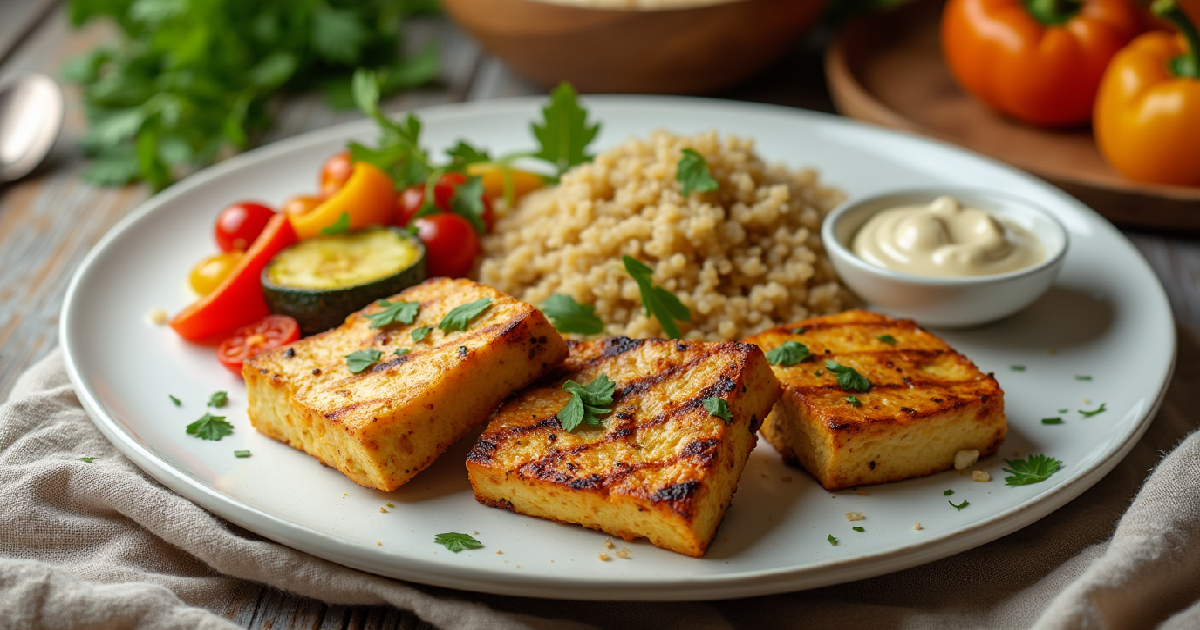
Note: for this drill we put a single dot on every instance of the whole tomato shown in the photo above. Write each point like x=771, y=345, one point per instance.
x=451, y=244
x=238, y=225
x=334, y=172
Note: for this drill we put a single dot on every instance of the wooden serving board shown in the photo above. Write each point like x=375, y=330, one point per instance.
x=887, y=69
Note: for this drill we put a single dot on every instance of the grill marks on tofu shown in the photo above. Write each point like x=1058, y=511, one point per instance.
x=926, y=402
x=661, y=466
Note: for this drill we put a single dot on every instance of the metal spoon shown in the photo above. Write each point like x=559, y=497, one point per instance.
x=31, y=115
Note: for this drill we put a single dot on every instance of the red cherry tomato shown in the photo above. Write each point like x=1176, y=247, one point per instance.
x=238, y=225
x=267, y=333
x=451, y=244
x=410, y=200
x=335, y=172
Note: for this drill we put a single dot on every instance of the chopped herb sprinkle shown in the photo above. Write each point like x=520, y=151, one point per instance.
x=1089, y=414
x=888, y=339
x=859, y=529
x=1080, y=377
x=947, y=493
x=175, y=401
x=1052, y=420
x=833, y=541
x=959, y=506
x=1018, y=368
x=241, y=454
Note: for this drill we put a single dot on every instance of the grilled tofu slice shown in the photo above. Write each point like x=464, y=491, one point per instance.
x=926, y=402
x=388, y=422
x=662, y=466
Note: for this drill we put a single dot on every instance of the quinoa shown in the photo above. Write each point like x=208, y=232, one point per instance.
x=743, y=258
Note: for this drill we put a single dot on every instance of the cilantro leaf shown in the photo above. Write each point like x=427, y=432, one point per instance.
x=959, y=506
x=692, y=174
x=360, y=360
x=832, y=541
x=456, y=542
x=1033, y=469
x=341, y=225
x=393, y=313
x=888, y=339
x=459, y=318
x=658, y=302
x=570, y=316
x=210, y=427
x=848, y=377
x=1089, y=414
x=719, y=408
x=241, y=454
x=87, y=460
x=788, y=354
x=175, y=401
x=1052, y=420
x=467, y=202
x=853, y=401
x=218, y=400
x=421, y=332
x=586, y=402
x=564, y=133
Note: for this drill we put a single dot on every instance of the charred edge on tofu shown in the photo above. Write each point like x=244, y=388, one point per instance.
x=815, y=326
x=946, y=402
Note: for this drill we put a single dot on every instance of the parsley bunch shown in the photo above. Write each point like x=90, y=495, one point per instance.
x=586, y=403
x=191, y=80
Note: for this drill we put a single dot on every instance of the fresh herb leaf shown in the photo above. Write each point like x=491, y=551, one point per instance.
x=719, y=408
x=853, y=401
x=459, y=318
x=175, y=401
x=88, y=460
x=463, y=154
x=692, y=174
x=210, y=427
x=888, y=339
x=587, y=402
x=658, y=302
x=564, y=133
x=799, y=330
x=393, y=313
x=1052, y=420
x=401, y=352
x=1082, y=377
x=456, y=542
x=818, y=372
x=848, y=377
x=341, y=225
x=467, y=202
x=1033, y=469
x=1089, y=414
x=1063, y=410
x=959, y=506
x=948, y=493
x=859, y=529
x=218, y=400
x=1018, y=368
x=789, y=353
x=570, y=316
x=421, y=332
x=360, y=360
x=833, y=541
x=241, y=454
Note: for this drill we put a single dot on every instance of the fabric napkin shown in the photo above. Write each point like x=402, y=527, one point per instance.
x=102, y=545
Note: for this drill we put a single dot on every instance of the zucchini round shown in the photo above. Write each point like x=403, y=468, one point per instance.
x=322, y=280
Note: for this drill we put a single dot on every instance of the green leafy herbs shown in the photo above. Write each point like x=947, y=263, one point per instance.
x=467, y=201
x=959, y=506
x=848, y=377
x=241, y=454
x=393, y=313
x=659, y=303
x=1018, y=368
x=947, y=493
x=340, y=225
x=587, y=402
x=859, y=529
x=175, y=401
x=421, y=332
x=87, y=460
x=719, y=408
x=1088, y=414
x=1081, y=377
x=789, y=353
x=457, y=542
x=360, y=360
x=210, y=427
x=818, y=372
x=218, y=400
x=1033, y=469
x=570, y=316
x=853, y=401
x=188, y=81
x=564, y=133
x=692, y=174
x=459, y=317
x=888, y=339
x=401, y=352
x=1052, y=420
x=833, y=541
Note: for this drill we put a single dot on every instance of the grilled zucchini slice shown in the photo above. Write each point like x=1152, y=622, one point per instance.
x=322, y=280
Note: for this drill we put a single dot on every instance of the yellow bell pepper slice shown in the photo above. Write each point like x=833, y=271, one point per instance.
x=368, y=198
x=494, y=186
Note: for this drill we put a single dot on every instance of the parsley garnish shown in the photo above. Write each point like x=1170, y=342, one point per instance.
x=463, y=154
x=832, y=540
x=401, y=352
x=1034, y=469
x=422, y=332
x=459, y=318
x=692, y=174
x=1018, y=368
x=888, y=339
x=341, y=225
x=658, y=302
x=1082, y=378
x=853, y=401
x=218, y=400
x=1089, y=414
x=1052, y=420
x=959, y=506
x=241, y=454
x=818, y=372
x=947, y=493
x=393, y=313
x=175, y=401
x=719, y=408
x=572, y=317
x=456, y=542
x=586, y=403
x=788, y=354
x=210, y=427
x=88, y=460
x=859, y=529
x=360, y=360
x=564, y=133
x=467, y=202
x=848, y=377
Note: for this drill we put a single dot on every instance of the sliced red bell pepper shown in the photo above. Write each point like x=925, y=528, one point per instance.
x=238, y=301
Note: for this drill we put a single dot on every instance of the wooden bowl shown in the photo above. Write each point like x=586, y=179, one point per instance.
x=689, y=50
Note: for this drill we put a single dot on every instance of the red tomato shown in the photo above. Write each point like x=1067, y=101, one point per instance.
x=410, y=200
x=335, y=172
x=238, y=225
x=451, y=243
x=267, y=333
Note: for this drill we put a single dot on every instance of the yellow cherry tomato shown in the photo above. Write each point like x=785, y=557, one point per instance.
x=210, y=272
x=367, y=198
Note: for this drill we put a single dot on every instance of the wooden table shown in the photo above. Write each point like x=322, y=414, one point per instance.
x=49, y=220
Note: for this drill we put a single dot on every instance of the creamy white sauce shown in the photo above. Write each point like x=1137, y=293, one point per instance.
x=944, y=239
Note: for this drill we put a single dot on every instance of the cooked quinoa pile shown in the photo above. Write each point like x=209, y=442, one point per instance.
x=743, y=258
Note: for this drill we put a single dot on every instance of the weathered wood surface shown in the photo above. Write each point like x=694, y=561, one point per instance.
x=49, y=220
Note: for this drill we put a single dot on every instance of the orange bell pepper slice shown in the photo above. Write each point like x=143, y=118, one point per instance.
x=238, y=300
x=1147, y=122
x=368, y=197
x=1039, y=61
x=509, y=184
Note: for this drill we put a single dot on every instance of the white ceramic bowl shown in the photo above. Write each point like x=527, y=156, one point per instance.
x=949, y=302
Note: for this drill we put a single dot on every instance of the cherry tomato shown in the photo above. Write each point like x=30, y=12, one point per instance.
x=451, y=243
x=238, y=225
x=410, y=200
x=267, y=333
x=335, y=172
x=301, y=204
x=211, y=271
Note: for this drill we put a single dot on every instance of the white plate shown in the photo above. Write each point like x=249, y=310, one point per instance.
x=1106, y=318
